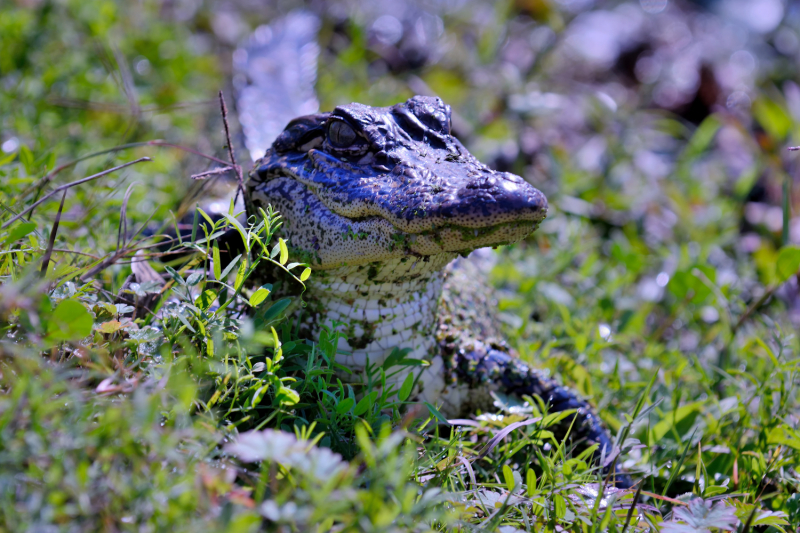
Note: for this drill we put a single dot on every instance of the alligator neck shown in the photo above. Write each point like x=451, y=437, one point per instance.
x=380, y=306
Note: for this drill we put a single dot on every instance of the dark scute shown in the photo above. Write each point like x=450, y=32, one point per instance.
x=300, y=131
x=432, y=112
x=409, y=122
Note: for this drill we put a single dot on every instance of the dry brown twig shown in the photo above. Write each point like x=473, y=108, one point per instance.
x=52, y=241
x=236, y=167
x=207, y=173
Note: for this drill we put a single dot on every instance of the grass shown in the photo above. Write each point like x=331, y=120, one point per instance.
x=212, y=414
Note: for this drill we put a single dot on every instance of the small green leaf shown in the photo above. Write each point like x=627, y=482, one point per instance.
x=345, y=405
x=530, y=481
x=365, y=403
x=305, y=274
x=177, y=277
x=229, y=267
x=702, y=137
x=554, y=418
x=395, y=356
x=686, y=284
x=63, y=271
x=259, y=296
x=69, y=321
x=713, y=490
x=771, y=518
x=205, y=299
x=508, y=476
x=194, y=279
x=19, y=231
x=49, y=161
x=788, y=262
x=436, y=414
x=772, y=117
x=240, y=275
x=284, y=251
x=287, y=396
x=26, y=158
x=405, y=389
x=216, y=260
x=276, y=345
x=240, y=229
x=259, y=395
x=205, y=215
x=560, y=506
x=195, y=223
x=7, y=159
x=112, y=326
x=186, y=323
x=276, y=309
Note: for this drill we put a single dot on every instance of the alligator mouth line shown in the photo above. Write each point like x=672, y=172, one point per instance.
x=446, y=238
x=524, y=225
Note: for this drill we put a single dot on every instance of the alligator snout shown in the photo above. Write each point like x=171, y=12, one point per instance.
x=501, y=197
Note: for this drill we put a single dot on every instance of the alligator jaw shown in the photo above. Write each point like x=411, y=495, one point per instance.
x=327, y=240
x=459, y=193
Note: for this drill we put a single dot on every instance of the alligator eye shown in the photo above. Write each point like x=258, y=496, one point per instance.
x=341, y=135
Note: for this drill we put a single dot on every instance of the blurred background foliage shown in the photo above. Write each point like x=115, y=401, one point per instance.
x=658, y=131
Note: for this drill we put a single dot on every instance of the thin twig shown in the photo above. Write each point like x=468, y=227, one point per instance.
x=753, y=308
x=633, y=506
x=50, y=175
x=64, y=251
x=664, y=498
x=239, y=175
x=122, y=228
x=187, y=149
x=204, y=175
x=72, y=184
x=142, y=227
x=110, y=260
x=136, y=247
x=121, y=252
x=52, y=240
x=109, y=107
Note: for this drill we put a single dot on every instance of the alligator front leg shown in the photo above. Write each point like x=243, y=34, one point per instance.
x=480, y=368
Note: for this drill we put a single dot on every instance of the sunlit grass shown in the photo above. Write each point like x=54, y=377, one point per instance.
x=207, y=412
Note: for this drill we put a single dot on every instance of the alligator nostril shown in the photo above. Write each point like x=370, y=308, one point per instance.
x=482, y=183
x=502, y=195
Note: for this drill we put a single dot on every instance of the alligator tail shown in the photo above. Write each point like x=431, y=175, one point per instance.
x=275, y=70
x=482, y=365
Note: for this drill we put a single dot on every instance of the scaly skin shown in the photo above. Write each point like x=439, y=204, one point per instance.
x=381, y=201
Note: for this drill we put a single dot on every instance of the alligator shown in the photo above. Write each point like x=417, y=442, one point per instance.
x=386, y=204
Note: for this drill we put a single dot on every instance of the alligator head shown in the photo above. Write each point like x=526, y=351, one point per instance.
x=368, y=184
